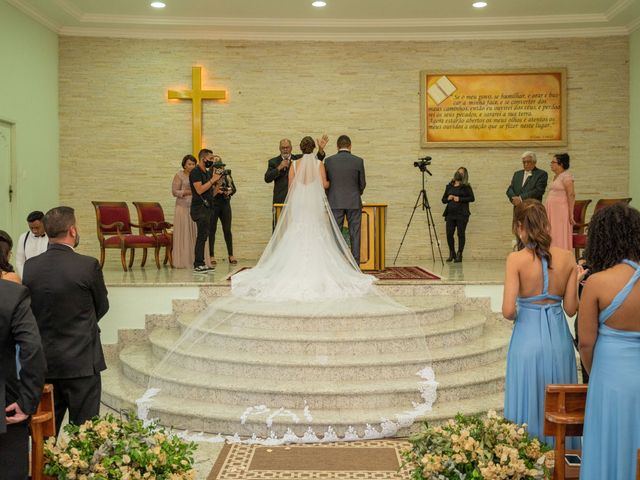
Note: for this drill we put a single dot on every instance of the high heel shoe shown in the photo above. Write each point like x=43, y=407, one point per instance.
x=452, y=257
x=232, y=260
x=458, y=258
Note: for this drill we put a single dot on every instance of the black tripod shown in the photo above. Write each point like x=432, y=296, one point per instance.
x=424, y=201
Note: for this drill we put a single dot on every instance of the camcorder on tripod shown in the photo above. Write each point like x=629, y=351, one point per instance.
x=423, y=200
x=422, y=165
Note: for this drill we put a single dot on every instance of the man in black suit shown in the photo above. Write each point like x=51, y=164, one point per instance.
x=19, y=396
x=345, y=173
x=69, y=297
x=530, y=182
x=278, y=170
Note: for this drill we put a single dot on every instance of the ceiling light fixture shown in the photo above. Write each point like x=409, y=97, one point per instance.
x=158, y=5
x=479, y=4
x=319, y=4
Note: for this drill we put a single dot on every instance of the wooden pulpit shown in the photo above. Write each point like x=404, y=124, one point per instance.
x=372, y=234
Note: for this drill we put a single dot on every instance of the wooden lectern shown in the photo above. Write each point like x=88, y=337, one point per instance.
x=372, y=234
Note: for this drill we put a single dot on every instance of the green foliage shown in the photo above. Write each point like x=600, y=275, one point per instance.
x=110, y=448
x=476, y=448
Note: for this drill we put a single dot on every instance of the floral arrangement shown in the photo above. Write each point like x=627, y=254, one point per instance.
x=110, y=448
x=471, y=447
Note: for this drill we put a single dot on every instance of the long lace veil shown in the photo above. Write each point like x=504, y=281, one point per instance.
x=305, y=341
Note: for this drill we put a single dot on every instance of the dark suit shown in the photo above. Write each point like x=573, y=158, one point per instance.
x=280, y=178
x=345, y=173
x=18, y=327
x=534, y=187
x=68, y=298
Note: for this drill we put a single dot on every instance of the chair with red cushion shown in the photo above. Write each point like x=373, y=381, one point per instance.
x=114, y=231
x=579, y=217
x=580, y=238
x=152, y=222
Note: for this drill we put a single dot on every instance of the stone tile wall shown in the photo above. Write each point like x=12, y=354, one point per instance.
x=121, y=139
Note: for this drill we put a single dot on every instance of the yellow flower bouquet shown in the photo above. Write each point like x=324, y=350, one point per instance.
x=110, y=448
x=471, y=447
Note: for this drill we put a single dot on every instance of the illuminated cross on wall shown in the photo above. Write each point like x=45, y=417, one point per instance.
x=197, y=95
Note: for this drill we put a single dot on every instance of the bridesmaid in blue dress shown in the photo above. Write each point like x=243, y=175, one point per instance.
x=539, y=281
x=609, y=331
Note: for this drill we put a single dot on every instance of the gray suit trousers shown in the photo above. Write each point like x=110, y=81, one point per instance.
x=354, y=217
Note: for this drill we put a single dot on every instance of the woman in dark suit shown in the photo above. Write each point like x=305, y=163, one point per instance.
x=457, y=196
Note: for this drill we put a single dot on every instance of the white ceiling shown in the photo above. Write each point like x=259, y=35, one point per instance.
x=339, y=20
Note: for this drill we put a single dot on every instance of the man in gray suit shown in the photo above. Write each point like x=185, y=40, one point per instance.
x=345, y=173
x=530, y=182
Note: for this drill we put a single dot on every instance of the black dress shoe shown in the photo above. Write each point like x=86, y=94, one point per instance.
x=452, y=257
x=458, y=258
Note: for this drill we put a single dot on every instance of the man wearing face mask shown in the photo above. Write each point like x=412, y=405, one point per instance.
x=68, y=298
x=202, y=182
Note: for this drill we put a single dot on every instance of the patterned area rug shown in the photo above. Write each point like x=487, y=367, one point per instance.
x=405, y=273
x=390, y=273
x=374, y=459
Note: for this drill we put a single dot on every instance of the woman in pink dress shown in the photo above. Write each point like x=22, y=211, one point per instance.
x=184, y=229
x=560, y=201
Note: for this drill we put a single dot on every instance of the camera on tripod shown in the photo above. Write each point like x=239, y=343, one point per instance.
x=422, y=164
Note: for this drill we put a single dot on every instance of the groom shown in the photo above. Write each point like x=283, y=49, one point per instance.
x=345, y=173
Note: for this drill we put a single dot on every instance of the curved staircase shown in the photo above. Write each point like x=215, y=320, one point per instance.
x=348, y=369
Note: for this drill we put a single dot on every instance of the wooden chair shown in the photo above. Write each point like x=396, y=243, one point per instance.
x=114, y=231
x=43, y=425
x=580, y=238
x=563, y=417
x=152, y=222
x=579, y=217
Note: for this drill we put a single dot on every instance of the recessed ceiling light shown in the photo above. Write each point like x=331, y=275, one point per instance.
x=319, y=4
x=479, y=4
x=158, y=5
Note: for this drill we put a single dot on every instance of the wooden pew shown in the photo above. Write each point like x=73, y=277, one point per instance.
x=563, y=417
x=43, y=424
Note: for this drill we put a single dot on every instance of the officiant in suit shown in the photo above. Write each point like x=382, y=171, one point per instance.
x=278, y=171
x=18, y=396
x=345, y=173
x=68, y=298
x=530, y=182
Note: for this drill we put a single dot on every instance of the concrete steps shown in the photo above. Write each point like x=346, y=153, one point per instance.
x=350, y=368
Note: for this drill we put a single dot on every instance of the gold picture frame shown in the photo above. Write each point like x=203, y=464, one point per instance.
x=515, y=108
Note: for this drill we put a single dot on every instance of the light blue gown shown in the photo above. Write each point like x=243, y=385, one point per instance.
x=540, y=353
x=612, y=416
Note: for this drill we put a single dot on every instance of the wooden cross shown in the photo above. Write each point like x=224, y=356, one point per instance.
x=197, y=95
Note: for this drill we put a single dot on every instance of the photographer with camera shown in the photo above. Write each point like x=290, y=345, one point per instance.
x=202, y=183
x=224, y=189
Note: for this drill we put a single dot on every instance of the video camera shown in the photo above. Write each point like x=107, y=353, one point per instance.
x=422, y=164
x=218, y=168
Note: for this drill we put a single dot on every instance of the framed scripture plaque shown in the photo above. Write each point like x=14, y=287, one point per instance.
x=497, y=109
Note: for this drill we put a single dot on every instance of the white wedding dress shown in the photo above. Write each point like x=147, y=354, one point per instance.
x=307, y=258
x=307, y=274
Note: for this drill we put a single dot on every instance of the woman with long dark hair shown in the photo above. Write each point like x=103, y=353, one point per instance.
x=540, y=281
x=609, y=332
x=7, y=271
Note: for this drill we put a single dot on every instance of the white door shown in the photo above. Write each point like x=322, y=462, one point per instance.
x=7, y=196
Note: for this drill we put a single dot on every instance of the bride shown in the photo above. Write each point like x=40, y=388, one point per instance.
x=307, y=258
x=308, y=278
